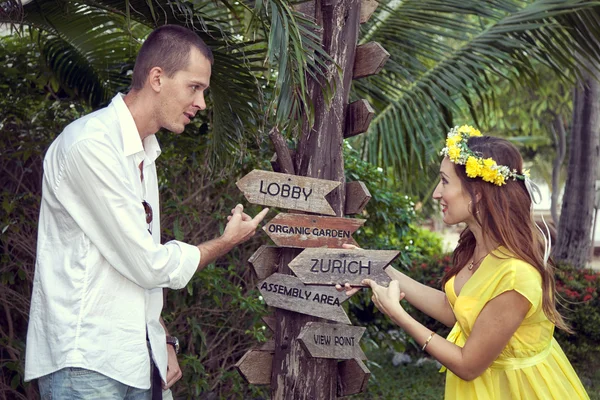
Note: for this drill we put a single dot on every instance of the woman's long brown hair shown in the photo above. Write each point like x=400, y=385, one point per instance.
x=505, y=215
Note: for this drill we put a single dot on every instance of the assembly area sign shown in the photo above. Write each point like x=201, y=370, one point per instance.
x=287, y=191
x=289, y=293
x=302, y=230
x=320, y=266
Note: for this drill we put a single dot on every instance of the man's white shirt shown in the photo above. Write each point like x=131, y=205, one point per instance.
x=99, y=273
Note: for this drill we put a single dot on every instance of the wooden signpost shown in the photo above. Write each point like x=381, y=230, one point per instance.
x=370, y=59
x=255, y=366
x=287, y=191
x=264, y=261
x=301, y=230
x=333, y=266
x=353, y=376
x=289, y=293
x=303, y=355
x=332, y=340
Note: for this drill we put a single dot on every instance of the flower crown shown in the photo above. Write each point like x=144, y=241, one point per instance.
x=476, y=166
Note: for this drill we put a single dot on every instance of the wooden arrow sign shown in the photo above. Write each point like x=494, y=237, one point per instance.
x=255, y=366
x=302, y=230
x=270, y=321
x=367, y=8
x=264, y=261
x=358, y=117
x=287, y=191
x=357, y=197
x=289, y=293
x=369, y=60
x=333, y=266
x=337, y=341
x=353, y=377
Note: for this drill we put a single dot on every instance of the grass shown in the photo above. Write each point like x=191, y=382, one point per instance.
x=407, y=382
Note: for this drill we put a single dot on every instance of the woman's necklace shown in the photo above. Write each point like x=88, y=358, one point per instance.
x=472, y=263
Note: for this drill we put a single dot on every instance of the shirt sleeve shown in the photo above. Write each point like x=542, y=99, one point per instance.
x=521, y=277
x=93, y=188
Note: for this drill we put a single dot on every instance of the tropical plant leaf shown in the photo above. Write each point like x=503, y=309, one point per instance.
x=443, y=55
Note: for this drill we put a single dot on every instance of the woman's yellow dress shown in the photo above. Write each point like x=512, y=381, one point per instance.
x=532, y=365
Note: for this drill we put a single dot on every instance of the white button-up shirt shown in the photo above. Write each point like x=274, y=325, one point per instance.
x=99, y=274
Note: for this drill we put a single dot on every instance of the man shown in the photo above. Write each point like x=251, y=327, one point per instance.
x=95, y=328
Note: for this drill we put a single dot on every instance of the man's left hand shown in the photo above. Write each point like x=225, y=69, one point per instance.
x=173, y=371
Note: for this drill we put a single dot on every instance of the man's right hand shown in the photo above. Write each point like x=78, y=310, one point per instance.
x=241, y=226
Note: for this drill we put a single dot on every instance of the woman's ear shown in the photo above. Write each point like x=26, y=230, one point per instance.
x=477, y=197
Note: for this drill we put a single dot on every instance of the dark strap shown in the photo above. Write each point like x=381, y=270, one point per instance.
x=156, y=384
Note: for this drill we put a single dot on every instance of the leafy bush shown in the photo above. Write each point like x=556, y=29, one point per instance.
x=217, y=316
x=579, y=293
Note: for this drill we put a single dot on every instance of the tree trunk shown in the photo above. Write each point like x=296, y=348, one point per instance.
x=560, y=139
x=574, y=228
x=296, y=375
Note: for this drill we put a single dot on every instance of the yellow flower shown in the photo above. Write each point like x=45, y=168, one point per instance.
x=469, y=130
x=489, y=172
x=453, y=153
x=526, y=172
x=489, y=163
x=500, y=180
x=473, y=168
x=453, y=140
x=475, y=132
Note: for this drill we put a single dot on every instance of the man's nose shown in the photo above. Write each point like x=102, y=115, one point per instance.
x=199, y=102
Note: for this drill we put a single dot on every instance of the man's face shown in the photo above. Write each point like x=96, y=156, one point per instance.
x=182, y=95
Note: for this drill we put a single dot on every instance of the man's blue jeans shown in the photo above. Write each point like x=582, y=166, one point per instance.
x=83, y=384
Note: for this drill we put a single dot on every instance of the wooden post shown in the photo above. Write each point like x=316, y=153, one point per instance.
x=295, y=374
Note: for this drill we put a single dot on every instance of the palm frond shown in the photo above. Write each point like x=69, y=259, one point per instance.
x=443, y=55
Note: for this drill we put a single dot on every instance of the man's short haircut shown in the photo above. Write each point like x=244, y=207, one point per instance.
x=167, y=47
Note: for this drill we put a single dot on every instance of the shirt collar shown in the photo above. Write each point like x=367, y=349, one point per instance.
x=131, y=136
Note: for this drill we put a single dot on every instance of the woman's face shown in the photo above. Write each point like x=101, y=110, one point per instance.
x=455, y=201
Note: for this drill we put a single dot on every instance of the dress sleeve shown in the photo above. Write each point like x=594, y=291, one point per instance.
x=521, y=277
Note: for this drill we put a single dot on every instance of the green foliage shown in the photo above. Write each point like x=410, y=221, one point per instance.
x=444, y=59
x=579, y=292
x=31, y=115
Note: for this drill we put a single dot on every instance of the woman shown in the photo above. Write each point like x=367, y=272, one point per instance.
x=499, y=297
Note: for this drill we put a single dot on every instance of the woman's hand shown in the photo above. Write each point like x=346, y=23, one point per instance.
x=387, y=299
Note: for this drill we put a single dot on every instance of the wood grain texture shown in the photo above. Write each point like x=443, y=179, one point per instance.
x=302, y=231
x=353, y=377
x=289, y=293
x=256, y=366
x=357, y=197
x=341, y=342
x=370, y=59
x=358, y=118
x=264, y=261
x=287, y=191
x=332, y=266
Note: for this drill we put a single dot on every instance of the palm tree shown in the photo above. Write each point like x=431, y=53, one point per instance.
x=446, y=57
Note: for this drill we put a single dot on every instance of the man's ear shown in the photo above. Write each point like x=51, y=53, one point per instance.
x=154, y=78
